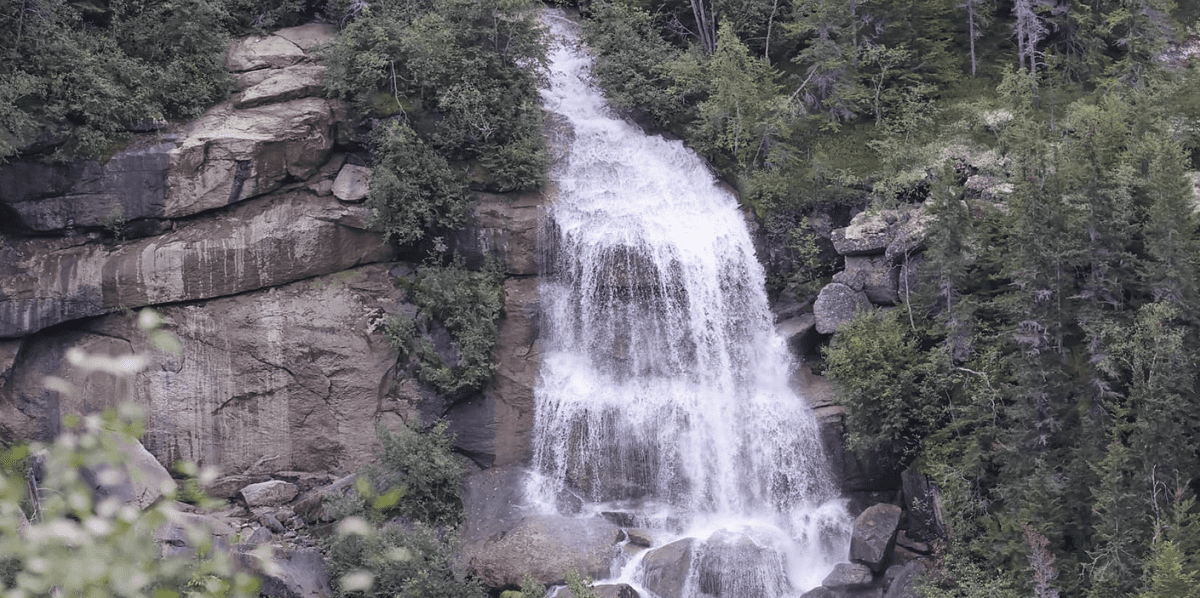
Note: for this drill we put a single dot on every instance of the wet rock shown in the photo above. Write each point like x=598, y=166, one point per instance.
x=640, y=537
x=665, y=570
x=506, y=226
x=620, y=518
x=820, y=592
x=836, y=305
x=518, y=360
x=848, y=576
x=272, y=493
x=546, y=547
x=735, y=566
x=608, y=590
x=352, y=183
x=874, y=535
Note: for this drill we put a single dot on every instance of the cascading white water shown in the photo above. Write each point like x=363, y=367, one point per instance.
x=664, y=387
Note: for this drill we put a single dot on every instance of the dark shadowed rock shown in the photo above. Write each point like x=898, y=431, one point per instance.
x=874, y=535
x=800, y=332
x=733, y=565
x=925, y=519
x=665, y=570
x=905, y=582
x=546, y=547
x=873, y=275
x=868, y=233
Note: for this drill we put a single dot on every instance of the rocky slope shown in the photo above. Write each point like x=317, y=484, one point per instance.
x=243, y=229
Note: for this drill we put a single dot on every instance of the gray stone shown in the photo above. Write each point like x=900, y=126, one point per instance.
x=873, y=275
x=258, y=52
x=916, y=546
x=836, y=305
x=849, y=576
x=665, y=570
x=272, y=493
x=291, y=83
x=8, y=356
x=297, y=573
x=257, y=245
x=518, y=360
x=546, y=547
x=311, y=507
x=868, y=233
x=904, y=585
x=492, y=502
x=874, y=535
x=271, y=522
x=261, y=535
x=178, y=535
x=640, y=537
x=352, y=183
x=820, y=592
x=307, y=37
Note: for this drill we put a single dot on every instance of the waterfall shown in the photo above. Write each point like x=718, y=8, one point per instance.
x=664, y=389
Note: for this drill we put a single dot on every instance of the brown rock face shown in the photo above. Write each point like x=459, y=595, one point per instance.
x=518, y=361
x=291, y=378
x=258, y=245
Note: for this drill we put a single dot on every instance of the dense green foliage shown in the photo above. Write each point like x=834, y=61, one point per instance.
x=450, y=88
x=77, y=77
x=468, y=304
x=1042, y=370
x=397, y=534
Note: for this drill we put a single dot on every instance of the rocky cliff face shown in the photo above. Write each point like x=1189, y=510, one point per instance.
x=238, y=228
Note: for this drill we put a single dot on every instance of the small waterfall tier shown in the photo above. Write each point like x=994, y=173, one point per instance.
x=664, y=391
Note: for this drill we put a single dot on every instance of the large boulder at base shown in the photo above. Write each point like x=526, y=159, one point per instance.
x=140, y=480
x=261, y=244
x=836, y=305
x=271, y=493
x=873, y=275
x=295, y=573
x=607, y=590
x=184, y=533
x=904, y=585
x=848, y=576
x=493, y=501
x=665, y=570
x=288, y=379
x=874, y=535
x=547, y=547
